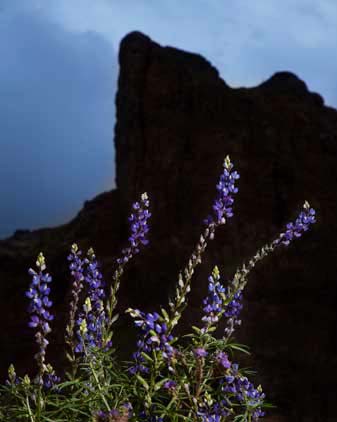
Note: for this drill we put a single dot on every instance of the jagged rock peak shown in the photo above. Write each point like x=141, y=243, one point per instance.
x=288, y=83
x=136, y=44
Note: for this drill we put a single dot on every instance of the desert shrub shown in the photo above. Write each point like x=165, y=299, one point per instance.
x=165, y=381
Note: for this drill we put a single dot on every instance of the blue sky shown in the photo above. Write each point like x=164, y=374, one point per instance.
x=58, y=79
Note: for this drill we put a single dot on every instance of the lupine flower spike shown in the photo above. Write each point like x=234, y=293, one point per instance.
x=153, y=337
x=222, y=211
x=93, y=308
x=302, y=223
x=139, y=229
x=38, y=294
x=222, y=206
x=294, y=230
x=217, y=304
x=76, y=268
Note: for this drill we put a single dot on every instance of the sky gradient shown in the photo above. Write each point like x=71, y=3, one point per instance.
x=58, y=79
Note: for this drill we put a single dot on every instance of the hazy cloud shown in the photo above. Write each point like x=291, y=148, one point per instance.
x=246, y=40
x=57, y=93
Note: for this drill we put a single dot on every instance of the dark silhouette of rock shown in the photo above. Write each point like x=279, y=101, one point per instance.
x=176, y=120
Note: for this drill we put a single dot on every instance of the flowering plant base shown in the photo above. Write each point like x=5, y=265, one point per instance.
x=196, y=379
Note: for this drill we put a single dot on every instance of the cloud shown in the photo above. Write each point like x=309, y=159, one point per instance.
x=247, y=41
x=56, y=116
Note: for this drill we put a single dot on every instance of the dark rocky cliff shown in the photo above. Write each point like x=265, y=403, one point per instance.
x=176, y=120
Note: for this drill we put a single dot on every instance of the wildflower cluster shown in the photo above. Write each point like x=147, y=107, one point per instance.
x=165, y=381
x=216, y=304
x=92, y=320
x=153, y=337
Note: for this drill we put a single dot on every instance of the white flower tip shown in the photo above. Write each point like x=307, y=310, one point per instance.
x=227, y=161
x=306, y=205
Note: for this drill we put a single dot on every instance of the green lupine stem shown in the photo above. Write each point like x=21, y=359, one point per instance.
x=31, y=417
x=173, y=399
x=239, y=280
x=198, y=374
x=99, y=386
x=96, y=380
x=184, y=287
x=39, y=401
x=74, y=367
x=112, y=302
x=240, y=277
x=154, y=373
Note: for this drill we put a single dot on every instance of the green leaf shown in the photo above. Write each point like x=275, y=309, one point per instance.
x=165, y=314
x=159, y=384
x=240, y=347
x=143, y=382
x=114, y=318
x=69, y=357
x=147, y=357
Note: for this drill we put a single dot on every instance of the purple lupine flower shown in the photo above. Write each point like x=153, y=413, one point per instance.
x=200, y=352
x=222, y=359
x=232, y=311
x=302, y=223
x=209, y=417
x=215, y=412
x=170, y=385
x=214, y=304
x=50, y=378
x=139, y=229
x=241, y=389
x=76, y=267
x=234, y=307
x=101, y=416
x=40, y=316
x=93, y=308
x=153, y=337
x=145, y=418
x=222, y=206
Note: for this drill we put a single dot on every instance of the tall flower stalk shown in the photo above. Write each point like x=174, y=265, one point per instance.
x=157, y=336
x=76, y=267
x=40, y=317
x=39, y=305
x=139, y=229
x=93, y=309
x=222, y=211
x=293, y=230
